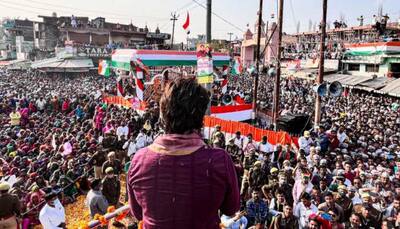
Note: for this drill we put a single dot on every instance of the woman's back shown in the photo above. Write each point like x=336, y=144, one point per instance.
x=182, y=191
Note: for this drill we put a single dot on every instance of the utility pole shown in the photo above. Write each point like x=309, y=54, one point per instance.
x=230, y=43
x=208, y=23
x=230, y=36
x=255, y=83
x=208, y=40
x=320, y=77
x=278, y=66
x=173, y=19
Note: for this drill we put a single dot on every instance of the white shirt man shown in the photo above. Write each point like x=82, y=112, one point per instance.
x=41, y=103
x=51, y=217
x=237, y=222
x=131, y=146
x=303, y=213
x=122, y=130
x=341, y=136
x=265, y=147
x=141, y=140
x=305, y=142
x=239, y=141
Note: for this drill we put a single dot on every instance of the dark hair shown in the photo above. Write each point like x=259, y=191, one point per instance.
x=328, y=194
x=305, y=195
x=183, y=106
x=279, y=191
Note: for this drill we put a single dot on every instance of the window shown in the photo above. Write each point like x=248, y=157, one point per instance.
x=353, y=67
x=395, y=67
x=372, y=68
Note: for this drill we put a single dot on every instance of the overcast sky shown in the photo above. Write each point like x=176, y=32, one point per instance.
x=238, y=13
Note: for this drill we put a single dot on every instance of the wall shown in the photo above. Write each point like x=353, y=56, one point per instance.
x=247, y=55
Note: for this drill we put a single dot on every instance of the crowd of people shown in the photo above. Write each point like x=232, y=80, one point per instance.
x=345, y=171
x=58, y=140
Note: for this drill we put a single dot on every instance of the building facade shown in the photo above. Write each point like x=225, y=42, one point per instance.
x=248, y=46
x=56, y=31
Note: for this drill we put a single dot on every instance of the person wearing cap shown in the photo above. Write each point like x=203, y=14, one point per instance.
x=95, y=200
x=113, y=163
x=303, y=209
x=10, y=207
x=52, y=215
x=305, y=142
x=111, y=187
x=345, y=202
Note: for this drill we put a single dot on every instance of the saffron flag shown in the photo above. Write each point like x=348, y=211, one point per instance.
x=104, y=68
x=187, y=23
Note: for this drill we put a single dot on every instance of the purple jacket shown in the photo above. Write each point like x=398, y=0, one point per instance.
x=183, y=190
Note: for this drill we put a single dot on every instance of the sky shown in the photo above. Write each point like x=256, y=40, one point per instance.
x=232, y=16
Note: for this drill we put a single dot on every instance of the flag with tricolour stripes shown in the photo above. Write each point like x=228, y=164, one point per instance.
x=104, y=68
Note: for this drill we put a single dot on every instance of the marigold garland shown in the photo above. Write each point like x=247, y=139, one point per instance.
x=83, y=225
x=111, y=209
x=140, y=225
x=121, y=216
x=103, y=221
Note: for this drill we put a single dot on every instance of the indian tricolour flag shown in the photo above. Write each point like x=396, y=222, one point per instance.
x=237, y=67
x=377, y=48
x=104, y=68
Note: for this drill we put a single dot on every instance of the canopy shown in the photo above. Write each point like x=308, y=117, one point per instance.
x=347, y=80
x=393, y=88
x=121, y=58
x=73, y=65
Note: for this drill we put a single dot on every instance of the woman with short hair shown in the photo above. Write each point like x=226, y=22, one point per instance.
x=178, y=181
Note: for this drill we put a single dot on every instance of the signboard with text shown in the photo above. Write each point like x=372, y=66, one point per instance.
x=94, y=52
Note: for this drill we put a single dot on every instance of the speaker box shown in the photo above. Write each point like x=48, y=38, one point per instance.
x=294, y=124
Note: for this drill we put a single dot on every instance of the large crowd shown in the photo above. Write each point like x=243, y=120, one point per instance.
x=58, y=140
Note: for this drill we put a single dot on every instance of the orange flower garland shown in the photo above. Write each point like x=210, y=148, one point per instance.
x=83, y=225
x=140, y=226
x=103, y=221
x=121, y=216
x=111, y=209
